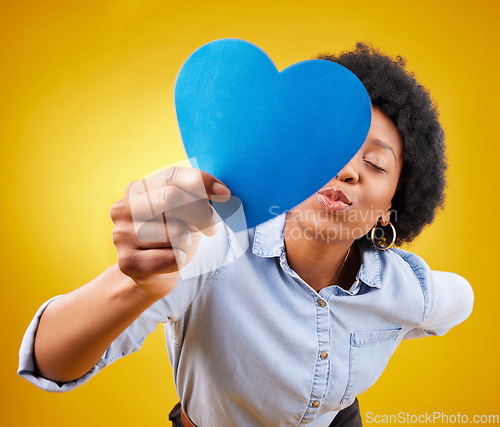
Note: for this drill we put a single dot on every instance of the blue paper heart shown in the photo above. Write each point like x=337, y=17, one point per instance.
x=274, y=138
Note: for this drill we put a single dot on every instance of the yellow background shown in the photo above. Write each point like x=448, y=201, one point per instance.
x=86, y=92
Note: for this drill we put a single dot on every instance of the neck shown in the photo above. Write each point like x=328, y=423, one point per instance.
x=317, y=261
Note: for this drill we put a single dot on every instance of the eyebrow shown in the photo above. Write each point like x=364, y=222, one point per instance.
x=383, y=144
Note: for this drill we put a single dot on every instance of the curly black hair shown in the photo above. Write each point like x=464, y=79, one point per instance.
x=397, y=93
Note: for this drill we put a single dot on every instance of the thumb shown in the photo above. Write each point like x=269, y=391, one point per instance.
x=219, y=192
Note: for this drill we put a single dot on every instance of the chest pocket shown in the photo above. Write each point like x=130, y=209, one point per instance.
x=368, y=356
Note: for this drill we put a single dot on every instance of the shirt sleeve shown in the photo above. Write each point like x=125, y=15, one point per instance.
x=448, y=300
x=126, y=343
x=211, y=255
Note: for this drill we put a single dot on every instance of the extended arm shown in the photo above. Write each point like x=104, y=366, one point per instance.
x=76, y=329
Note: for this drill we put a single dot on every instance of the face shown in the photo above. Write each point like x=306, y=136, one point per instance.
x=350, y=204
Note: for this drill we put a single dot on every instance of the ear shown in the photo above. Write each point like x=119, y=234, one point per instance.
x=386, y=217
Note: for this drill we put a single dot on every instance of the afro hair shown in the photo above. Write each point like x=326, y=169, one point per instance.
x=397, y=93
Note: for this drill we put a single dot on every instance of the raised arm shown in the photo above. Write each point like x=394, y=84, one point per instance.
x=157, y=232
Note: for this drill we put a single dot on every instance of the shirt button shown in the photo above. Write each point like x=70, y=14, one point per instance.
x=324, y=355
x=321, y=303
x=315, y=404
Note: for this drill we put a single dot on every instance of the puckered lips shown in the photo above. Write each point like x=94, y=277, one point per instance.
x=333, y=199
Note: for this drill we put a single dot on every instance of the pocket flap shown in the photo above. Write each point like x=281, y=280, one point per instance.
x=364, y=338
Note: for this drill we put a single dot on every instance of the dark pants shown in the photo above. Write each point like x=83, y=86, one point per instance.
x=347, y=417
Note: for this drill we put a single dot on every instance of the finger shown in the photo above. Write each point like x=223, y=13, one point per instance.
x=166, y=234
x=187, y=243
x=173, y=202
x=143, y=264
x=194, y=181
x=153, y=235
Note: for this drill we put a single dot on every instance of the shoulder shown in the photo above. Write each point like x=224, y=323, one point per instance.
x=397, y=265
x=444, y=293
x=411, y=261
x=427, y=278
x=409, y=265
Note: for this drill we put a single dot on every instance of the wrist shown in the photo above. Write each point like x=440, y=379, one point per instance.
x=149, y=290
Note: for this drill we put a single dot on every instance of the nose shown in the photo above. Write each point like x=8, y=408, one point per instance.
x=348, y=174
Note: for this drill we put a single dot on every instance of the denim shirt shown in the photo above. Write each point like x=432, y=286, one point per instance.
x=252, y=344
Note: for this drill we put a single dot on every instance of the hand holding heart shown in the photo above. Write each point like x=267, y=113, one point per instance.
x=159, y=221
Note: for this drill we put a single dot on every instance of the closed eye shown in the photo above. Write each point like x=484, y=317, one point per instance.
x=375, y=166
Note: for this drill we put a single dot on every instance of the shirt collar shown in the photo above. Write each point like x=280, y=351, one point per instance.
x=269, y=241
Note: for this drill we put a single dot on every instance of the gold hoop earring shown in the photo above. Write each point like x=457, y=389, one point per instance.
x=384, y=245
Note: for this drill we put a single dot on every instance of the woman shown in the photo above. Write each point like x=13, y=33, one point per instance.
x=290, y=330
